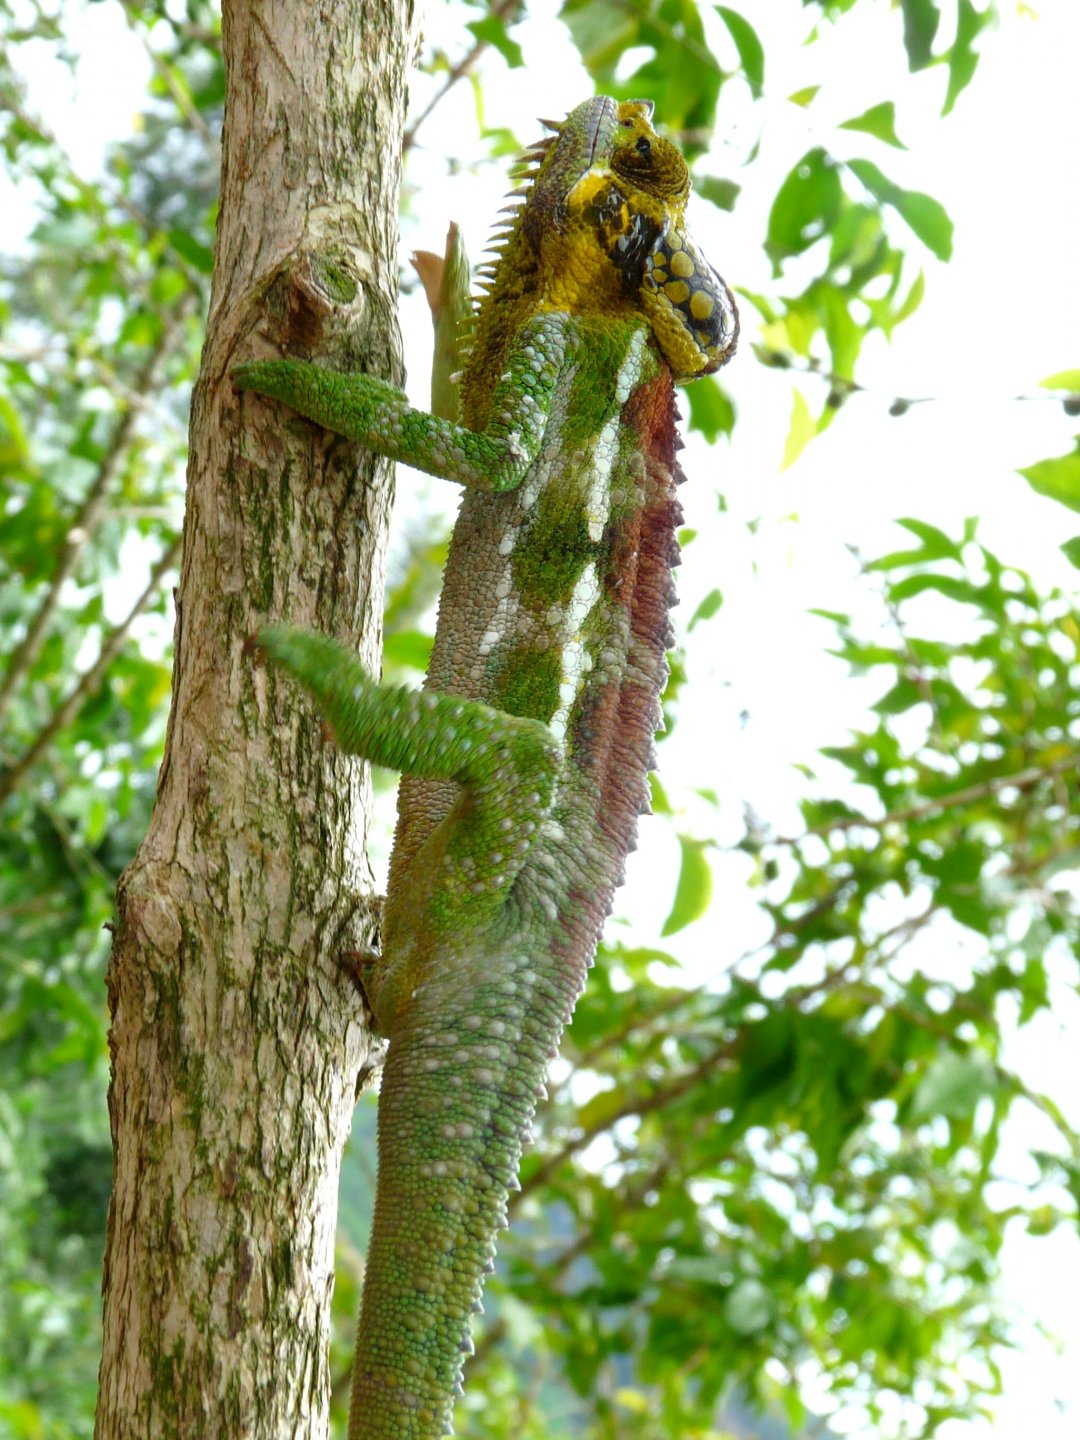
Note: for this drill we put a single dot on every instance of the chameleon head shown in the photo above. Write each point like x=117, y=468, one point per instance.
x=620, y=239
x=601, y=231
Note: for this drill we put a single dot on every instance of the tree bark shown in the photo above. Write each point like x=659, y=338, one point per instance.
x=237, y=1034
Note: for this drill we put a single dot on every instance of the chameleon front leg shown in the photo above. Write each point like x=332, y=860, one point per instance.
x=373, y=412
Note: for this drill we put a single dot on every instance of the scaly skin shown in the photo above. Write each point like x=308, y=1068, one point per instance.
x=525, y=756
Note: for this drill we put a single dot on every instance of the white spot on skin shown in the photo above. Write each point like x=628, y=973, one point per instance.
x=576, y=659
x=598, y=469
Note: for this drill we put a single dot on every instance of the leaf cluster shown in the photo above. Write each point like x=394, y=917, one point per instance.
x=101, y=316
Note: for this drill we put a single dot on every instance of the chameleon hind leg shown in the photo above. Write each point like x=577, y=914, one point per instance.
x=506, y=764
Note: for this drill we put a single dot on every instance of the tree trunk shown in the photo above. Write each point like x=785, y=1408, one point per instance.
x=237, y=1034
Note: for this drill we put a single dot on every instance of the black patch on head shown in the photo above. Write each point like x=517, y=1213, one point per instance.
x=627, y=235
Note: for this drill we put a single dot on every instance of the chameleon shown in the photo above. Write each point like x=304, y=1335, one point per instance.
x=524, y=757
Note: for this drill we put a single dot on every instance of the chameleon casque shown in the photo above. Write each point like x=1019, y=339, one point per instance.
x=524, y=757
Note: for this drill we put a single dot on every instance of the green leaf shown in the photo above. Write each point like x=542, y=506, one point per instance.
x=14, y=446
x=749, y=1307
x=751, y=54
x=718, y=191
x=903, y=696
x=913, y=299
x=707, y=609
x=952, y=1086
x=804, y=96
x=925, y=215
x=951, y=586
x=880, y=121
x=1062, y=380
x=492, y=31
x=963, y=57
x=196, y=254
x=936, y=544
x=601, y=32
x=658, y=800
x=1057, y=478
x=800, y=432
x=1071, y=550
x=921, y=20
x=805, y=208
x=694, y=890
x=711, y=410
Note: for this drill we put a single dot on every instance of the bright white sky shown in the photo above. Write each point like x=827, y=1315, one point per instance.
x=1002, y=315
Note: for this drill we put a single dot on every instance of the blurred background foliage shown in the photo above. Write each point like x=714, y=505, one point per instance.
x=752, y=1201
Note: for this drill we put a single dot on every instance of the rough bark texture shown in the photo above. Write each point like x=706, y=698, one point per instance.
x=237, y=1034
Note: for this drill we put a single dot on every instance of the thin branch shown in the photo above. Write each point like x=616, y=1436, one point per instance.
x=638, y=1105
x=70, y=706
x=922, y=684
x=102, y=191
x=1018, y=780
x=504, y=10
x=89, y=514
x=675, y=1000
x=165, y=70
x=842, y=387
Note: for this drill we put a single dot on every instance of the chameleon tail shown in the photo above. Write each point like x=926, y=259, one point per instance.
x=458, y=1095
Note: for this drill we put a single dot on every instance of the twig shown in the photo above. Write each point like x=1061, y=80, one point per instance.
x=69, y=707
x=165, y=71
x=1019, y=780
x=103, y=191
x=503, y=10
x=89, y=513
x=842, y=387
x=634, y=1105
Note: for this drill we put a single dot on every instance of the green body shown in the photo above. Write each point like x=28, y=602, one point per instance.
x=525, y=756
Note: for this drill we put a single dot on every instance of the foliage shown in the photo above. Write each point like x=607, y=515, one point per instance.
x=101, y=314
x=787, y=1172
